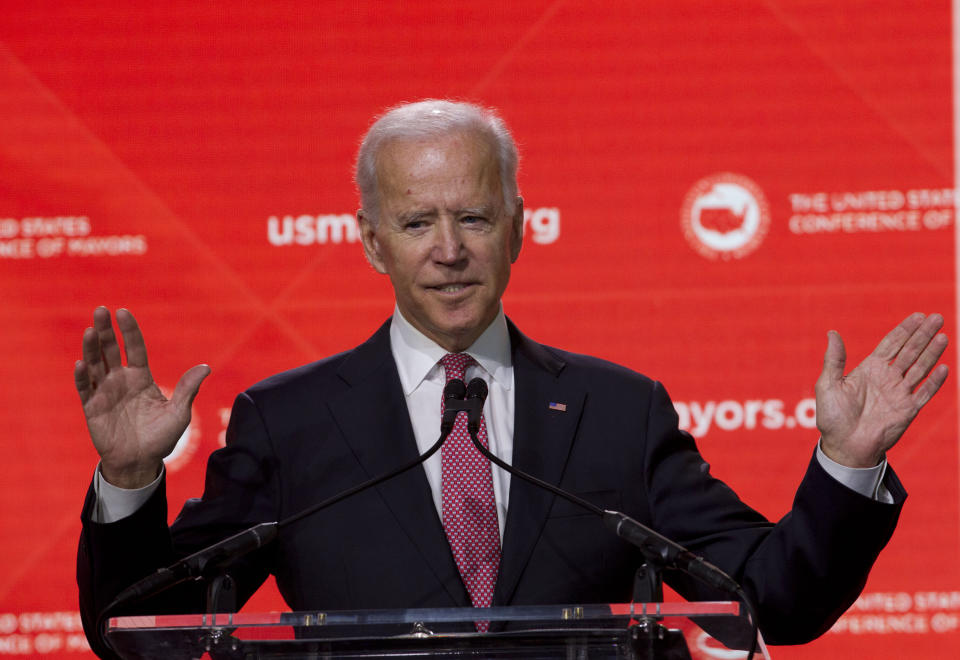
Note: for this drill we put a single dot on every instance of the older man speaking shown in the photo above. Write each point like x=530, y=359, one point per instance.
x=441, y=217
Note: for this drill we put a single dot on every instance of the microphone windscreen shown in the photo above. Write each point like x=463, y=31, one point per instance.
x=477, y=389
x=454, y=389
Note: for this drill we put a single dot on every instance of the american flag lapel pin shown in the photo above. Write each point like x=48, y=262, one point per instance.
x=560, y=407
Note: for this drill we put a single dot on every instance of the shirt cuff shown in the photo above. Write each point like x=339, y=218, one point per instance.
x=114, y=503
x=866, y=481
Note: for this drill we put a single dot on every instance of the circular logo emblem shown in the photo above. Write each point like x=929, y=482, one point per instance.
x=186, y=446
x=725, y=216
x=710, y=648
x=185, y=449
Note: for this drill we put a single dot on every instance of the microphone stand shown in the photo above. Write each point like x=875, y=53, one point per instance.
x=658, y=551
x=211, y=563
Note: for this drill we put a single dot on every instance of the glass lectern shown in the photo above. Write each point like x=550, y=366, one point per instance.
x=641, y=631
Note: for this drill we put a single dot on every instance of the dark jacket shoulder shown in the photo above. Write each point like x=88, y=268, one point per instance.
x=566, y=365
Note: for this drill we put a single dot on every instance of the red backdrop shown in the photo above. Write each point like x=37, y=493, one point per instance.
x=711, y=187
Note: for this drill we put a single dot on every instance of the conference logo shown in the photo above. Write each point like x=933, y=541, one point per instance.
x=725, y=216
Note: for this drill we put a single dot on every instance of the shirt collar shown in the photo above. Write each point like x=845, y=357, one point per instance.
x=416, y=355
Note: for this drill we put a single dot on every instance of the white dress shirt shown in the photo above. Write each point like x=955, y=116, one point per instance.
x=422, y=379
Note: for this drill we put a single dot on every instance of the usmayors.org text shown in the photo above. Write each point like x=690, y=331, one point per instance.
x=700, y=417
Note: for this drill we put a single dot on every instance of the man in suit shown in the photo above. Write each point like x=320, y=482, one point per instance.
x=442, y=219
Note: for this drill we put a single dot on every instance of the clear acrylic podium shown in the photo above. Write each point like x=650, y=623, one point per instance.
x=641, y=631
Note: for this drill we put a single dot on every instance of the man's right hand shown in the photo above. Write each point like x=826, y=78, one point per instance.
x=132, y=425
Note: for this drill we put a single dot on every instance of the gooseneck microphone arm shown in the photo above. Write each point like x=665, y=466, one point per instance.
x=214, y=559
x=656, y=548
x=453, y=395
x=477, y=392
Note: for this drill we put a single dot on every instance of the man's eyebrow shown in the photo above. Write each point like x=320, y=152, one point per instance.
x=413, y=216
x=486, y=211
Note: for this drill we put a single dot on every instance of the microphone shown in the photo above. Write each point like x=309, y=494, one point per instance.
x=201, y=564
x=654, y=546
x=477, y=395
x=453, y=394
x=660, y=549
x=209, y=561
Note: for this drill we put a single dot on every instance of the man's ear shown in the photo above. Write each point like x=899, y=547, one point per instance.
x=516, y=241
x=371, y=246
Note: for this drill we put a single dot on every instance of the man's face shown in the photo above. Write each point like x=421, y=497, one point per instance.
x=443, y=236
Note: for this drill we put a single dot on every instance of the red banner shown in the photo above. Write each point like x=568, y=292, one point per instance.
x=710, y=188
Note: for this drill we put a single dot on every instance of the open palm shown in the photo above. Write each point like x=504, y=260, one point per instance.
x=132, y=424
x=863, y=414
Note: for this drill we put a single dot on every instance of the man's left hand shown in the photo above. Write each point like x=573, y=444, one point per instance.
x=863, y=414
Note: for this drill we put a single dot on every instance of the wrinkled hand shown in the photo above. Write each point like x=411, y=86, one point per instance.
x=863, y=414
x=132, y=425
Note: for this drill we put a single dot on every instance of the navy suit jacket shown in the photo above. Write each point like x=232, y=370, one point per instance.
x=306, y=434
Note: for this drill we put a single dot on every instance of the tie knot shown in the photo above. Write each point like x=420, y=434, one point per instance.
x=455, y=365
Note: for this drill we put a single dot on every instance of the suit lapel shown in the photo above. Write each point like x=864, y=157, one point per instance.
x=382, y=442
x=542, y=438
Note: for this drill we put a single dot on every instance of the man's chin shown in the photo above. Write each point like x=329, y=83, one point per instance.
x=458, y=336
x=457, y=340
x=453, y=325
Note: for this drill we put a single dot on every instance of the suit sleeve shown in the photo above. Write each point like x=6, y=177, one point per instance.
x=804, y=571
x=241, y=490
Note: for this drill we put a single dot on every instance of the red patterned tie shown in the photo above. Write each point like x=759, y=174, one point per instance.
x=469, y=508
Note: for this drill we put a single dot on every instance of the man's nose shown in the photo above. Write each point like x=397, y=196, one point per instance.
x=448, y=245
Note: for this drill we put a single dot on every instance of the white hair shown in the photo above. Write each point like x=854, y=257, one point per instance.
x=434, y=118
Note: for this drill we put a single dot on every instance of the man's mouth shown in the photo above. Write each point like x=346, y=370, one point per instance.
x=451, y=288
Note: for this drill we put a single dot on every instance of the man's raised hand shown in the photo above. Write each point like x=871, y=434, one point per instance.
x=863, y=414
x=132, y=425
